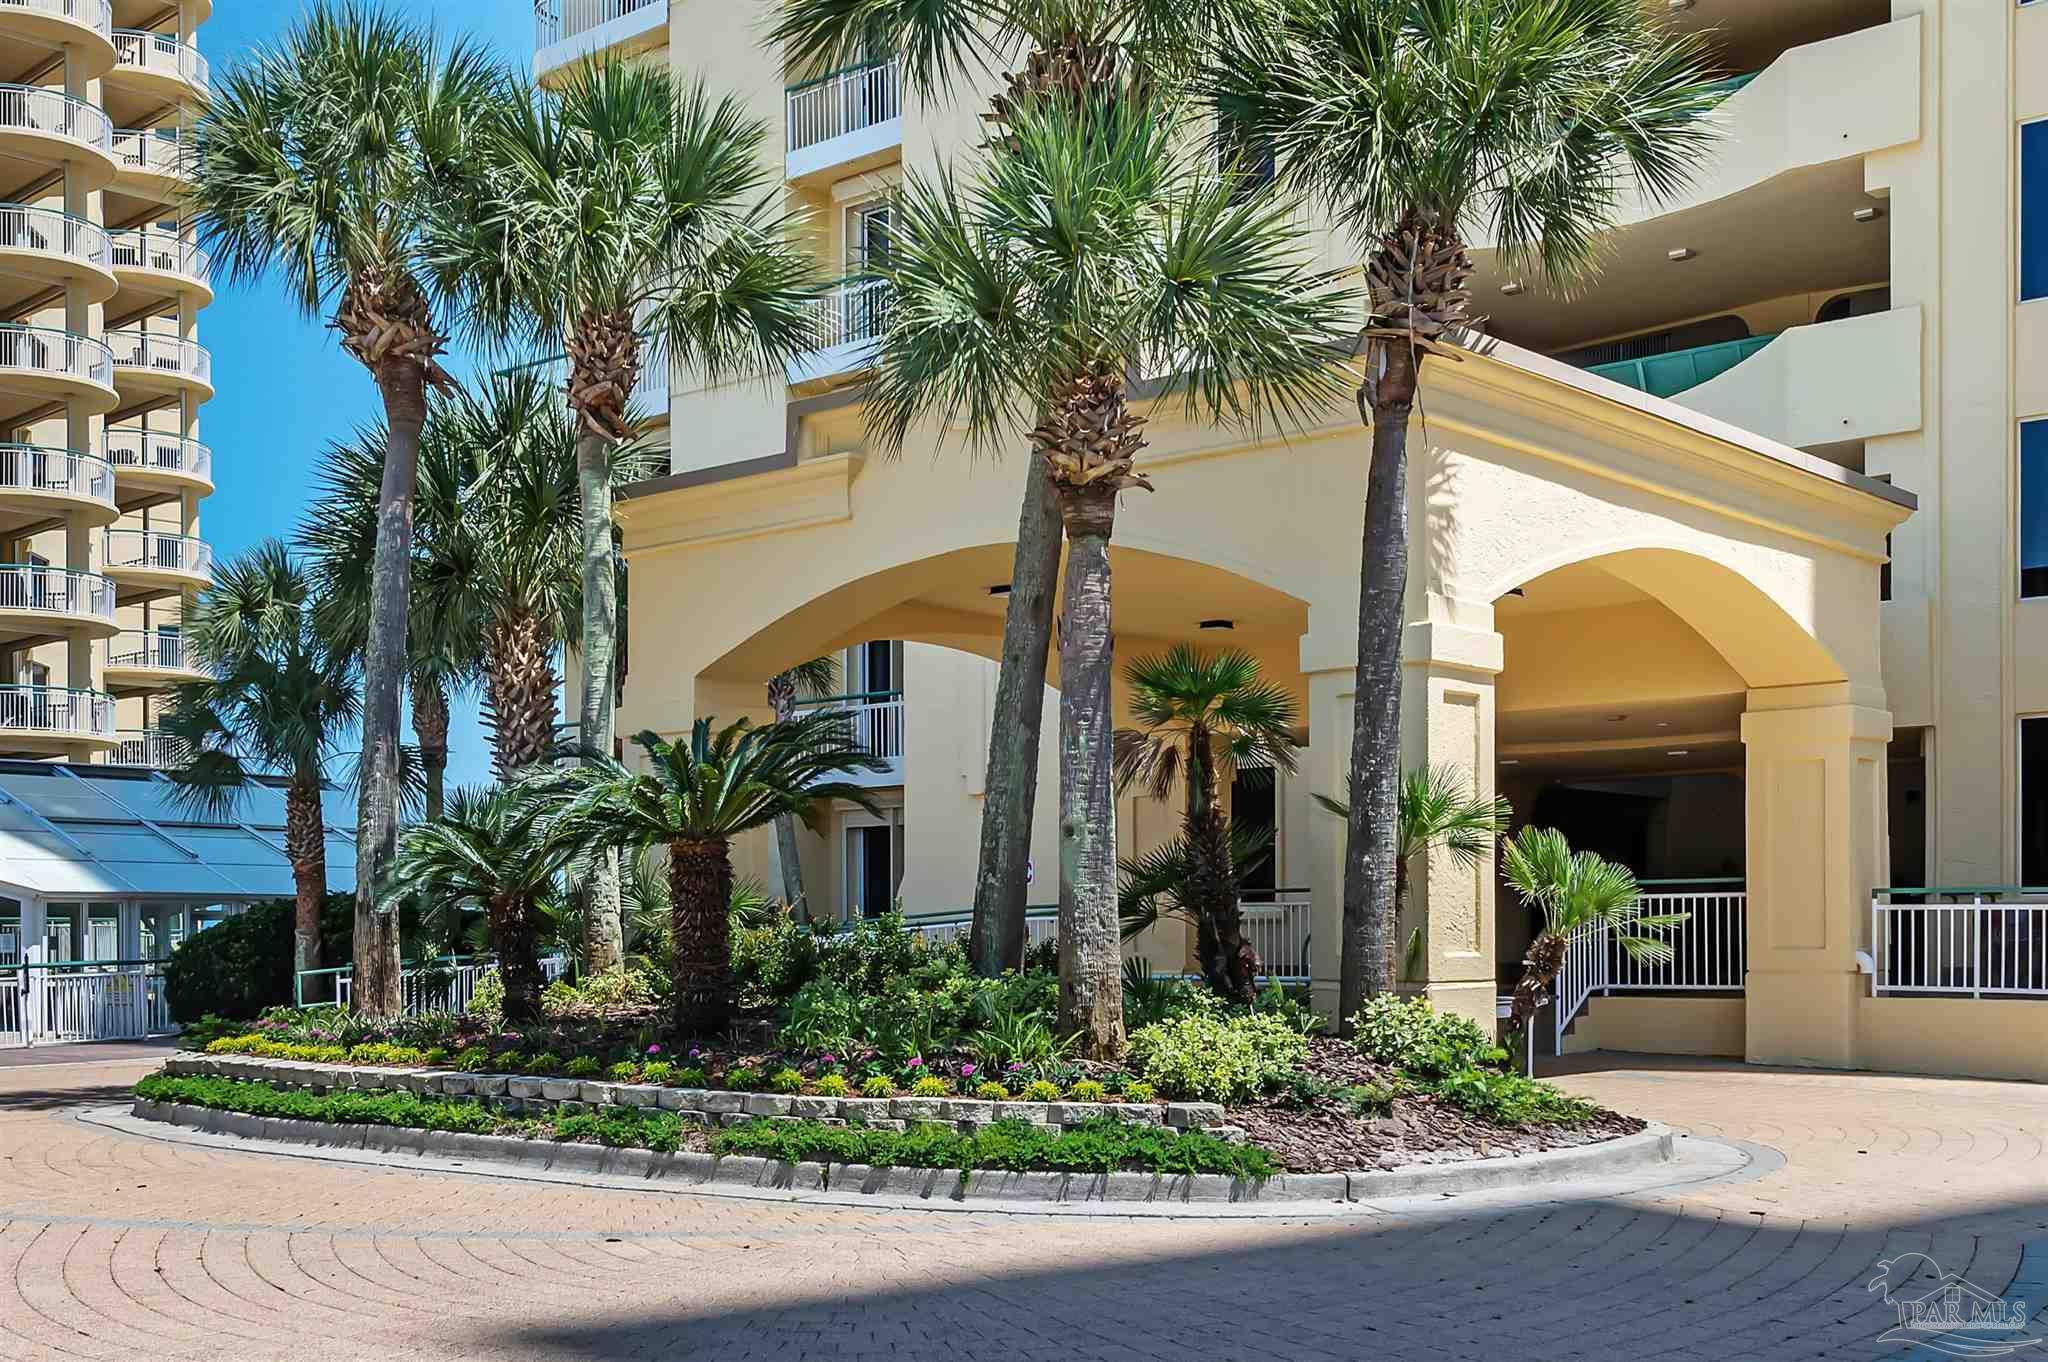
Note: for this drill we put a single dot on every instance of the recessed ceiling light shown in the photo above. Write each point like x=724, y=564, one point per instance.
x=1510, y=761
x=1218, y=624
x=1679, y=752
x=1000, y=590
x=1680, y=253
x=1511, y=290
x=1661, y=723
x=1867, y=214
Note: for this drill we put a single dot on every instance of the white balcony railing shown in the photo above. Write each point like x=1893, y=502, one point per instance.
x=844, y=102
x=64, y=472
x=1710, y=953
x=134, y=449
x=1041, y=925
x=1277, y=923
x=158, y=551
x=47, y=230
x=45, y=350
x=148, y=650
x=53, y=709
x=161, y=354
x=162, y=253
x=160, y=54
x=847, y=322
x=55, y=591
x=111, y=1000
x=876, y=719
x=36, y=108
x=147, y=747
x=432, y=989
x=152, y=151
x=556, y=20
x=97, y=15
x=1979, y=948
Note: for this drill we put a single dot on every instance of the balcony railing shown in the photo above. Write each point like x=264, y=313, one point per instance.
x=1709, y=953
x=160, y=54
x=147, y=650
x=154, y=151
x=23, y=228
x=148, y=747
x=853, y=310
x=132, y=448
x=53, y=709
x=1670, y=374
x=844, y=102
x=97, y=15
x=163, y=253
x=45, y=350
x=161, y=354
x=55, y=591
x=158, y=551
x=64, y=472
x=876, y=717
x=35, y=108
x=555, y=20
x=1994, y=944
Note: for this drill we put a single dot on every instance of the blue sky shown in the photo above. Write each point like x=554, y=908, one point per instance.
x=286, y=389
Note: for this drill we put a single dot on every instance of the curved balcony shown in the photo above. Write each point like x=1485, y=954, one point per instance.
x=159, y=65
x=84, y=26
x=161, y=262
x=40, y=365
x=151, y=563
x=158, y=460
x=139, y=660
x=51, y=129
x=46, y=248
x=148, y=747
x=39, y=483
x=150, y=162
x=38, y=601
x=54, y=719
x=147, y=362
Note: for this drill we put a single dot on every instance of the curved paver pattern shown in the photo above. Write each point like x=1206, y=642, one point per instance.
x=117, y=1246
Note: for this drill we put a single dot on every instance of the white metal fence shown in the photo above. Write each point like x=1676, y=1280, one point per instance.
x=158, y=550
x=451, y=987
x=555, y=20
x=151, y=748
x=53, y=709
x=1277, y=928
x=877, y=724
x=1040, y=927
x=155, y=151
x=36, y=108
x=43, y=468
x=55, y=591
x=160, y=353
x=43, y=349
x=853, y=310
x=23, y=228
x=44, y=1004
x=147, y=650
x=160, y=53
x=162, y=252
x=1976, y=948
x=843, y=102
x=1710, y=953
x=157, y=451
x=94, y=14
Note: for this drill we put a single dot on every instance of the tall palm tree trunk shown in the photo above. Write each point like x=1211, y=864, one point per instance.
x=1373, y=834
x=430, y=726
x=305, y=843
x=597, y=889
x=1010, y=789
x=700, y=895
x=1091, y=963
x=515, y=927
x=1540, y=968
x=376, y=990
x=520, y=688
x=782, y=703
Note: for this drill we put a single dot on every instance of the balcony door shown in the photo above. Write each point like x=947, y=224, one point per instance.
x=872, y=868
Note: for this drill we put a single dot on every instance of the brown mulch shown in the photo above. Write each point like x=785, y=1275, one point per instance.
x=1416, y=1129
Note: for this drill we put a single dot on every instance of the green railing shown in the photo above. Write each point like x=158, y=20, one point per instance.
x=858, y=697
x=1670, y=374
x=1733, y=83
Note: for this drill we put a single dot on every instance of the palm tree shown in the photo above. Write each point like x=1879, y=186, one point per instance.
x=1573, y=891
x=620, y=205
x=320, y=159
x=693, y=799
x=1087, y=250
x=279, y=699
x=1416, y=122
x=1099, y=49
x=1201, y=718
x=1436, y=808
x=489, y=851
x=814, y=679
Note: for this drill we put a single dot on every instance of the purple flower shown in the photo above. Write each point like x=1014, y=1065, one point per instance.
x=967, y=1071
x=694, y=1052
x=917, y=1061
x=1016, y=1064
x=654, y=1049
x=828, y=1059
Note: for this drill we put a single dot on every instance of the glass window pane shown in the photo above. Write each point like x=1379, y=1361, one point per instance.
x=2034, y=210
x=2034, y=801
x=2033, y=509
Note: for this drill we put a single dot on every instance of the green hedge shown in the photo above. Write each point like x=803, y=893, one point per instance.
x=1099, y=1146
x=243, y=964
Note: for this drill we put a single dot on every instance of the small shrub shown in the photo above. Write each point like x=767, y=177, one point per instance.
x=786, y=1081
x=547, y=1062
x=1217, y=1059
x=658, y=1071
x=1410, y=1034
x=1088, y=1090
x=877, y=1086
x=692, y=1077
x=931, y=1085
x=376, y=1053
x=1138, y=1090
x=625, y=1071
x=437, y=1055
x=511, y=1062
x=1040, y=1091
x=488, y=998
x=583, y=1066
x=616, y=988
x=992, y=1092
x=831, y=1085
x=1094, y=1146
x=743, y=1079
x=1509, y=1099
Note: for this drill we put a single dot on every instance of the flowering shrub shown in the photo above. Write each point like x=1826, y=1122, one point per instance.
x=1215, y=1058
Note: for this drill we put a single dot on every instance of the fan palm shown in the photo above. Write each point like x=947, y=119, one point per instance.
x=1072, y=50
x=1418, y=123
x=278, y=701
x=693, y=799
x=622, y=203
x=1161, y=884
x=1436, y=808
x=1088, y=249
x=320, y=158
x=1574, y=891
x=489, y=851
x=813, y=679
x=1200, y=718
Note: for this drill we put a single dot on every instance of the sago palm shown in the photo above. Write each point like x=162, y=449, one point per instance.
x=1085, y=249
x=814, y=679
x=320, y=159
x=1070, y=50
x=1436, y=808
x=490, y=851
x=1201, y=717
x=693, y=798
x=625, y=204
x=279, y=701
x=1423, y=126
x=1573, y=891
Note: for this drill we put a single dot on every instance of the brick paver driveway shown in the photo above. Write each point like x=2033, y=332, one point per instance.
x=115, y=1246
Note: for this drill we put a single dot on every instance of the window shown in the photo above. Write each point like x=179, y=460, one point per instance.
x=2033, y=509
x=874, y=667
x=867, y=237
x=2034, y=210
x=2034, y=800
x=870, y=871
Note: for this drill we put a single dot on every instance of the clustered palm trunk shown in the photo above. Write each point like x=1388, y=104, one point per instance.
x=1228, y=962
x=430, y=726
x=782, y=703
x=700, y=892
x=305, y=845
x=520, y=687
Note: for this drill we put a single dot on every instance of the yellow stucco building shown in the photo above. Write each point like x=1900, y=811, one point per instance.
x=1726, y=567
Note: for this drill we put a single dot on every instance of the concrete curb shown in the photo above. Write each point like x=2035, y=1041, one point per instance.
x=1651, y=1146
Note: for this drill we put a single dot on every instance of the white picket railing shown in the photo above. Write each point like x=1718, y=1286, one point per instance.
x=162, y=354
x=851, y=311
x=44, y=468
x=155, y=151
x=50, y=230
x=161, y=54
x=1039, y=928
x=46, y=350
x=97, y=15
x=147, y=650
x=1709, y=950
x=844, y=102
x=147, y=747
x=53, y=709
x=1279, y=931
x=1983, y=947
x=120, y=1000
x=37, y=108
x=161, y=253
x=157, y=551
x=157, y=451
x=55, y=591
x=555, y=20
x=433, y=989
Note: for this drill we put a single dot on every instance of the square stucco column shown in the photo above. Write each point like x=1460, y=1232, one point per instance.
x=1817, y=845
x=1447, y=719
